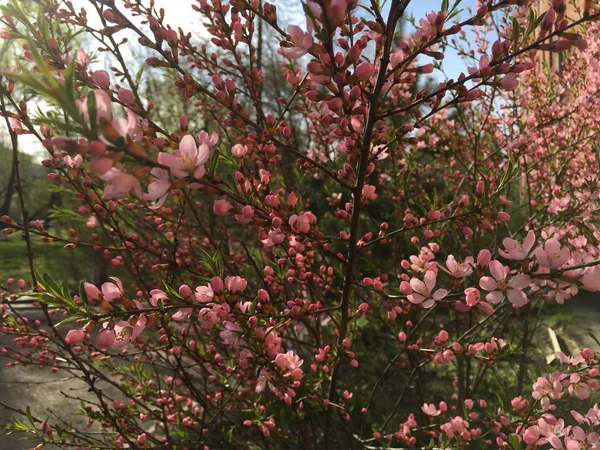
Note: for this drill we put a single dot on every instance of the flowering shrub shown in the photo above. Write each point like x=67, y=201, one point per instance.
x=359, y=263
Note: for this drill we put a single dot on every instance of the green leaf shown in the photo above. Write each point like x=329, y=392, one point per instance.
x=138, y=75
x=594, y=338
x=514, y=441
x=93, y=114
x=516, y=31
x=213, y=163
x=67, y=320
x=69, y=77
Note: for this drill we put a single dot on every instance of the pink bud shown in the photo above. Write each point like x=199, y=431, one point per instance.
x=216, y=283
x=239, y=150
x=222, y=207
x=75, y=336
x=292, y=199
x=101, y=78
x=185, y=291
x=91, y=291
x=126, y=96
x=364, y=71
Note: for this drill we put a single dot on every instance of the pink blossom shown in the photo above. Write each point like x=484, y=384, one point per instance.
x=579, y=439
x=222, y=207
x=158, y=188
x=516, y=250
x=91, y=291
x=101, y=78
x=103, y=107
x=232, y=334
x=368, y=192
x=235, y=284
x=430, y=409
x=82, y=59
x=472, y=296
x=509, y=82
x=120, y=184
x=204, y=294
x=188, y=160
x=208, y=318
x=112, y=291
x=364, y=71
x=127, y=128
x=92, y=222
x=73, y=162
x=551, y=255
x=127, y=331
x=75, y=336
x=239, y=150
x=501, y=284
x=423, y=291
x=106, y=336
x=300, y=223
x=459, y=270
x=126, y=96
x=302, y=41
x=290, y=363
x=590, y=278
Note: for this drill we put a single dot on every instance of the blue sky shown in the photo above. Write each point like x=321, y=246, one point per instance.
x=453, y=64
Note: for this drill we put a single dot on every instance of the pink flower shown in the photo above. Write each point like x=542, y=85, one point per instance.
x=156, y=295
x=483, y=258
x=364, y=71
x=208, y=318
x=517, y=251
x=509, y=82
x=579, y=439
x=120, y=185
x=126, y=332
x=188, y=160
x=235, y=284
x=113, y=291
x=300, y=223
x=127, y=128
x=159, y=188
x=204, y=294
x=430, y=409
x=106, y=336
x=239, y=150
x=73, y=162
x=472, y=296
x=422, y=291
x=503, y=284
x=302, y=41
x=75, y=336
x=459, y=270
x=551, y=255
x=101, y=78
x=232, y=334
x=82, y=59
x=126, y=96
x=591, y=278
x=337, y=10
x=368, y=192
x=103, y=107
x=290, y=363
x=91, y=291
x=92, y=222
x=222, y=207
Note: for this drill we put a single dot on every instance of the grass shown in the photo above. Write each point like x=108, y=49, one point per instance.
x=64, y=265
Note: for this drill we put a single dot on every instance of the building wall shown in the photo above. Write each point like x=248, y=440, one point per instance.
x=574, y=8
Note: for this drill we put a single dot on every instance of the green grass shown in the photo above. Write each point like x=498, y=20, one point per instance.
x=49, y=257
